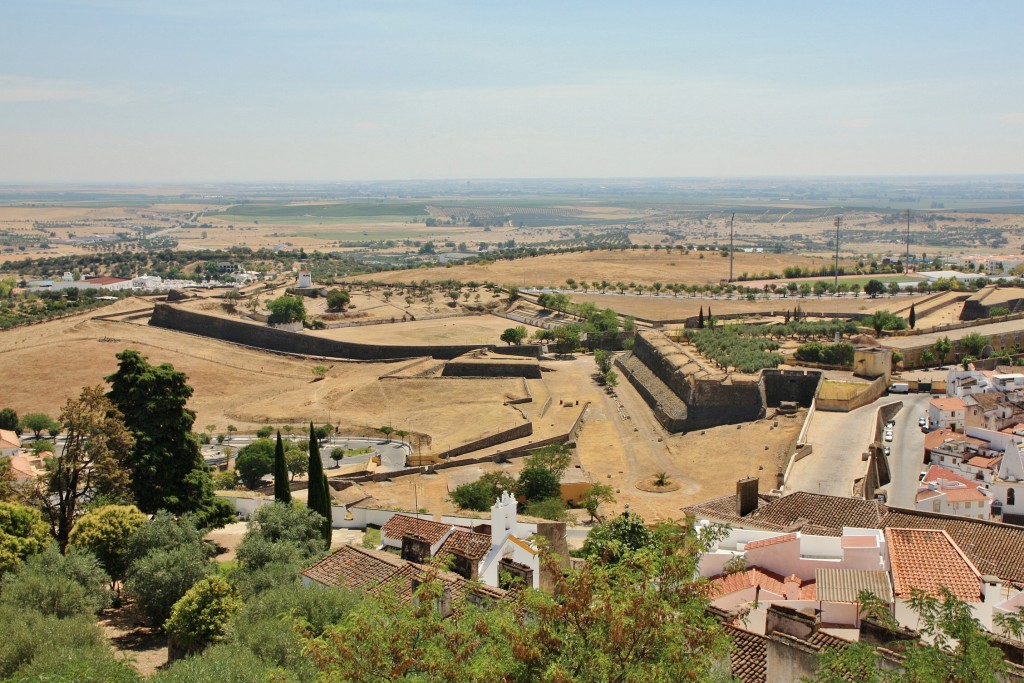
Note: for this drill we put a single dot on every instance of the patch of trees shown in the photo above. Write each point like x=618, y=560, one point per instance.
x=884, y=321
x=728, y=347
x=538, y=486
x=840, y=353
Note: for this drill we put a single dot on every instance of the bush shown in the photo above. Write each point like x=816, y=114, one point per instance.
x=26, y=634
x=218, y=664
x=162, y=577
x=58, y=585
x=201, y=615
x=281, y=525
x=549, y=508
x=266, y=623
x=166, y=532
x=481, y=494
x=613, y=539
x=22, y=533
x=104, y=531
x=264, y=432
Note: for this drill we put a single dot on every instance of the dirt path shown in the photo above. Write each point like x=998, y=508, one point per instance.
x=145, y=648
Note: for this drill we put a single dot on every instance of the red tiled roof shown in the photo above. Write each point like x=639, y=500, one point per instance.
x=982, y=461
x=765, y=542
x=401, y=525
x=353, y=567
x=726, y=584
x=9, y=439
x=749, y=655
x=466, y=543
x=928, y=559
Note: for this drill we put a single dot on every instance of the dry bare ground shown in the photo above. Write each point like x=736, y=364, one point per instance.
x=632, y=265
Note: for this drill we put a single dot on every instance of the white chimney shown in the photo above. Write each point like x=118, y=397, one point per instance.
x=510, y=512
x=991, y=589
x=497, y=523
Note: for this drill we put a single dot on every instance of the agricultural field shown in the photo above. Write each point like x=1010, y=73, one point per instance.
x=631, y=265
x=477, y=329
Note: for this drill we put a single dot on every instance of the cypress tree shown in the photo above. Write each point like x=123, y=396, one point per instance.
x=700, y=319
x=319, y=499
x=913, y=317
x=282, y=491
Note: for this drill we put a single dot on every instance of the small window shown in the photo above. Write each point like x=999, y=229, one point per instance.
x=1010, y=497
x=935, y=506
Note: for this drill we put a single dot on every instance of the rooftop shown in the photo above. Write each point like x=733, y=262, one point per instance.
x=835, y=584
x=400, y=526
x=810, y=513
x=748, y=656
x=353, y=567
x=726, y=584
x=948, y=403
x=928, y=559
x=466, y=543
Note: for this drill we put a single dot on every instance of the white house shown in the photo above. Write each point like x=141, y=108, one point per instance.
x=492, y=557
x=943, y=490
x=947, y=413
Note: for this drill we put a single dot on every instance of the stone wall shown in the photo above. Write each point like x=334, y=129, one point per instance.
x=175, y=318
x=799, y=386
x=706, y=401
x=496, y=368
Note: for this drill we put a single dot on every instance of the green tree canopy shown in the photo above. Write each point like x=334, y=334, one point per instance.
x=255, y=461
x=337, y=300
x=104, y=531
x=480, y=495
x=514, y=335
x=38, y=423
x=167, y=468
x=8, y=419
x=56, y=584
x=23, y=533
x=199, y=618
x=287, y=309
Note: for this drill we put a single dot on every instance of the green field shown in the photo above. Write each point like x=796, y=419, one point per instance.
x=355, y=209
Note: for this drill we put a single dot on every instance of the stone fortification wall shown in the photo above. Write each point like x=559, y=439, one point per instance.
x=790, y=385
x=175, y=318
x=707, y=401
x=496, y=368
x=668, y=408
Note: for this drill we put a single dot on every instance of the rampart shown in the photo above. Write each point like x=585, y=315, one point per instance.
x=174, y=318
x=684, y=395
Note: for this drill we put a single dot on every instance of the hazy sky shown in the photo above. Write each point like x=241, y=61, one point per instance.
x=197, y=90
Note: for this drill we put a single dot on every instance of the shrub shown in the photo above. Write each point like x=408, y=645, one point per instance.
x=104, y=532
x=162, y=577
x=548, y=508
x=481, y=494
x=200, y=616
x=58, y=585
x=264, y=432
x=26, y=635
x=218, y=664
x=22, y=533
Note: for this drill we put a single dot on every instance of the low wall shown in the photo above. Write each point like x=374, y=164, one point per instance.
x=519, y=432
x=871, y=393
x=174, y=318
x=457, y=368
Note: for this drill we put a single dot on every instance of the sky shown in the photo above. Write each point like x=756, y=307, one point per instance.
x=254, y=90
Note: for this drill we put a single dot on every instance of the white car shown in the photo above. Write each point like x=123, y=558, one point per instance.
x=922, y=421
x=888, y=436
x=886, y=451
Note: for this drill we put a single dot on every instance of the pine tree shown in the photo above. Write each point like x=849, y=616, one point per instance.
x=319, y=500
x=700, y=319
x=913, y=317
x=282, y=491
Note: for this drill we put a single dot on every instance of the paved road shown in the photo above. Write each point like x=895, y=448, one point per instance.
x=838, y=440
x=905, y=461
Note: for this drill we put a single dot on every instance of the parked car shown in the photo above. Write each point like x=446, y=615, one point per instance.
x=922, y=421
x=888, y=436
x=886, y=451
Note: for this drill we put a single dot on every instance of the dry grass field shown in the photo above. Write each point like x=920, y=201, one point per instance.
x=44, y=365
x=477, y=329
x=642, y=266
x=668, y=307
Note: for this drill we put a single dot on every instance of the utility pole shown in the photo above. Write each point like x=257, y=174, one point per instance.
x=906, y=261
x=839, y=221
x=732, y=251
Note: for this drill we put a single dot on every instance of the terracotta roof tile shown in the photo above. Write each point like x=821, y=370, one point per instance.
x=748, y=656
x=951, y=403
x=765, y=542
x=466, y=543
x=401, y=525
x=726, y=584
x=810, y=513
x=992, y=547
x=353, y=567
x=928, y=559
